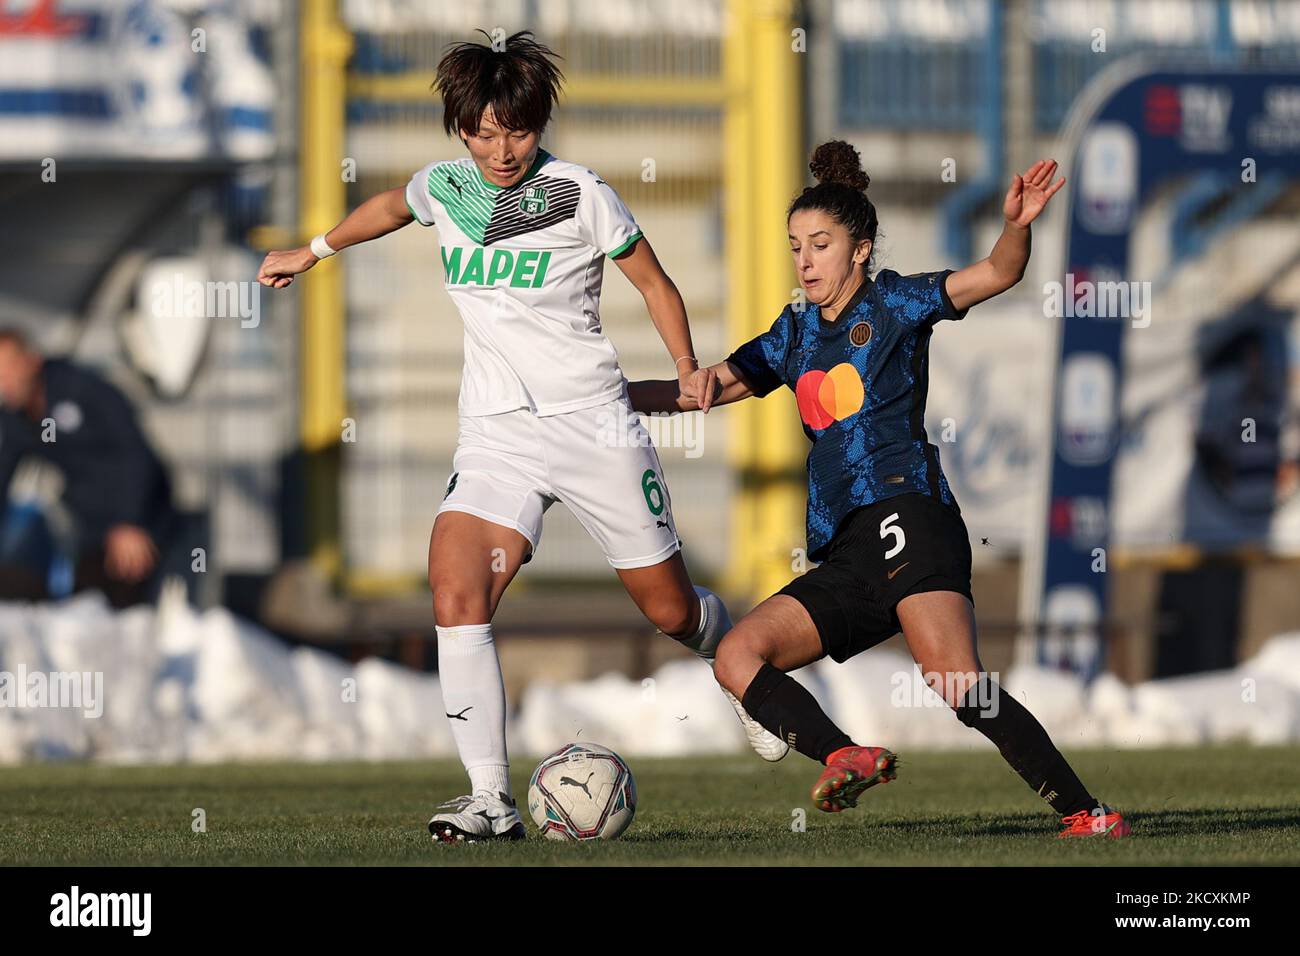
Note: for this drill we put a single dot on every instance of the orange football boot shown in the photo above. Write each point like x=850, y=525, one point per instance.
x=849, y=771
x=1108, y=823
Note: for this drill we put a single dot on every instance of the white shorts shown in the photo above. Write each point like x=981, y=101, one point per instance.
x=509, y=468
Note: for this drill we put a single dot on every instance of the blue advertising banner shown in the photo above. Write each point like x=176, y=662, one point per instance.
x=1133, y=131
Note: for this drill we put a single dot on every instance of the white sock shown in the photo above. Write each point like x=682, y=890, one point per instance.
x=492, y=778
x=715, y=622
x=473, y=691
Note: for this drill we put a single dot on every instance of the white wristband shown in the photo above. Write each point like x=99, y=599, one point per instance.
x=320, y=248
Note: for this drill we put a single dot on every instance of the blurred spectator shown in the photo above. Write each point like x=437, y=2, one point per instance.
x=116, y=492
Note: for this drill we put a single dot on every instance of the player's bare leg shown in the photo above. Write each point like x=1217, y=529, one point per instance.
x=778, y=632
x=939, y=627
x=665, y=596
x=697, y=618
x=471, y=562
x=776, y=637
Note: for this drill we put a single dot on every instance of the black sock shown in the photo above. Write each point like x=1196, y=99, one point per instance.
x=1024, y=744
x=782, y=705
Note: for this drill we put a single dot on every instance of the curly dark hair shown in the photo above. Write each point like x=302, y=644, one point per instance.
x=841, y=191
x=519, y=82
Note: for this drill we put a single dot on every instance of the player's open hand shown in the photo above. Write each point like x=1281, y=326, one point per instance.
x=129, y=553
x=280, y=266
x=699, y=386
x=1029, y=193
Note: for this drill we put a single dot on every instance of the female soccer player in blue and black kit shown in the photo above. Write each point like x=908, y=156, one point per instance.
x=882, y=520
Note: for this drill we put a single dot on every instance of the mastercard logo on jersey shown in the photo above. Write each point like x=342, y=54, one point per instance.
x=828, y=397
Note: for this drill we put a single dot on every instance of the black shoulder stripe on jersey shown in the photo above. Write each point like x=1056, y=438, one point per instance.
x=563, y=196
x=916, y=418
x=508, y=220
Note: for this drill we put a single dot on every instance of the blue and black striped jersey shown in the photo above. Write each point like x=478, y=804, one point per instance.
x=860, y=383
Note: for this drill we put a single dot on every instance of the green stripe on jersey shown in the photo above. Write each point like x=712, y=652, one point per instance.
x=461, y=193
x=624, y=247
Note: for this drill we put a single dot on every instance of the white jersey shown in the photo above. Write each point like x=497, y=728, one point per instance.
x=524, y=266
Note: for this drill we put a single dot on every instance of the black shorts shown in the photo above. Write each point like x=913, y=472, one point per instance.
x=881, y=553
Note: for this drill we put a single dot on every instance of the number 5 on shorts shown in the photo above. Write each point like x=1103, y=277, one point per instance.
x=886, y=529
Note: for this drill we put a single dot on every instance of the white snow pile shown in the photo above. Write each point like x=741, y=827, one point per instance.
x=178, y=684
x=80, y=681
x=879, y=698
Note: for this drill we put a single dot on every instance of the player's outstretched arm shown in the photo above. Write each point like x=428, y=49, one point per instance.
x=1005, y=265
x=655, y=396
x=665, y=396
x=668, y=312
x=377, y=216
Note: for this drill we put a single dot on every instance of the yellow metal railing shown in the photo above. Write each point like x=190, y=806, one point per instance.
x=764, y=123
x=326, y=46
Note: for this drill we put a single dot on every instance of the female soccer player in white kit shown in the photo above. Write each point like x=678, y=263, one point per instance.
x=544, y=410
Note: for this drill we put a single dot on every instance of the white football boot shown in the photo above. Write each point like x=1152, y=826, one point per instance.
x=476, y=818
x=716, y=623
x=765, y=743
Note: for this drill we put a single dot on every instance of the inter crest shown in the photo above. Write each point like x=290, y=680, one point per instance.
x=860, y=334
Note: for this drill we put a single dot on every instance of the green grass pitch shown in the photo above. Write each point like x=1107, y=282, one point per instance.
x=1224, y=806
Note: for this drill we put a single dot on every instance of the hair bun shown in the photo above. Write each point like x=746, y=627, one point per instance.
x=838, y=162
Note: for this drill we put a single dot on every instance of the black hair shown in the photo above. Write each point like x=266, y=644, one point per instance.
x=841, y=191
x=15, y=337
x=518, y=81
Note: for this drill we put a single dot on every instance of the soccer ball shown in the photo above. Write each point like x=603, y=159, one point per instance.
x=582, y=792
